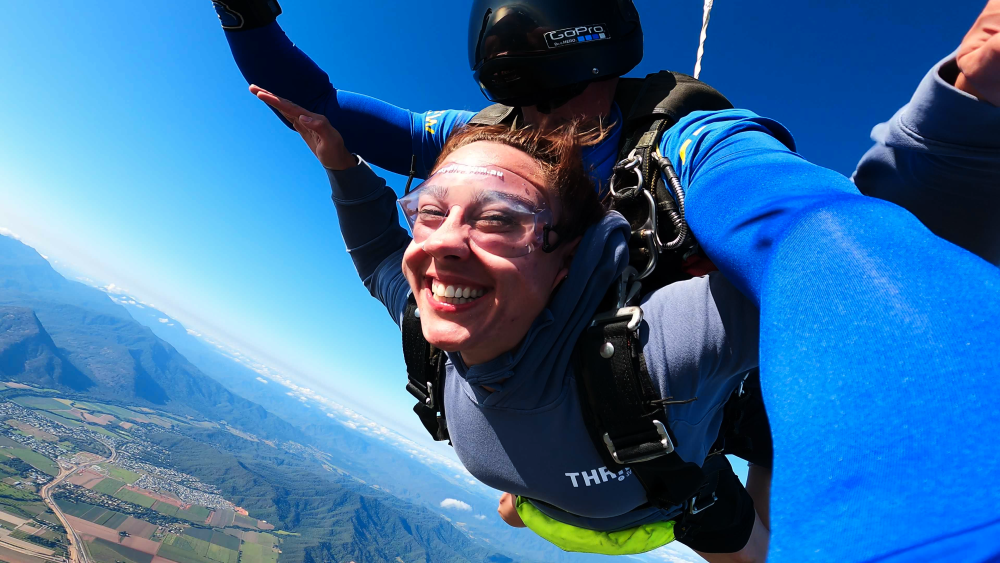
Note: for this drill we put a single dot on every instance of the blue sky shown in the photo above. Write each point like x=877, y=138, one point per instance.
x=132, y=152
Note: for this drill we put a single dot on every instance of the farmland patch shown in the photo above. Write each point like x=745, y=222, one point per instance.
x=105, y=550
x=108, y=486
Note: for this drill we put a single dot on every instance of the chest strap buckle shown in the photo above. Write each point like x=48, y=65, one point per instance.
x=644, y=450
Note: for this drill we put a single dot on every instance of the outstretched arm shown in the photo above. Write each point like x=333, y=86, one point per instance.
x=939, y=156
x=386, y=135
x=878, y=349
x=366, y=207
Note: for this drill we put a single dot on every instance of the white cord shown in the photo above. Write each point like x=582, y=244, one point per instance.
x=704, y=35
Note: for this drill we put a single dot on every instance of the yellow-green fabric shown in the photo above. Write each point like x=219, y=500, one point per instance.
x=570, y=538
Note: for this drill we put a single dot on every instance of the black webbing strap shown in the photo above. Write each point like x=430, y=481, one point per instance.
x=495, y=115
x=425, y=374
x=629, y=425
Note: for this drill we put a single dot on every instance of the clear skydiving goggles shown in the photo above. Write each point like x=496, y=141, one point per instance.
x=500, y=212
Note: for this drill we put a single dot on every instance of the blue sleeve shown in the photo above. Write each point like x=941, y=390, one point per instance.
x=939, y=157
x=878, y=350
x=366, y=209
x=386, y=135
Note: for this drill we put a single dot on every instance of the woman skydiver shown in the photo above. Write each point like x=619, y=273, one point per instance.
x=511, y=255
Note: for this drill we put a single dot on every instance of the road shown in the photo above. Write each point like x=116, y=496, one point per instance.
x=77, y=552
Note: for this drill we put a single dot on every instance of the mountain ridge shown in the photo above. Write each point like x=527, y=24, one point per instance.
x=117, y=358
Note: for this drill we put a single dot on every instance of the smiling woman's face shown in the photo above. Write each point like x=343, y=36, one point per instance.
x=512, y=291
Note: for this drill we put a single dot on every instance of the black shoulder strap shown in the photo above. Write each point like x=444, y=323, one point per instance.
x=663, y=95
x=626, y=414
x=495, y=115
x=651, y=106
x=425, y=374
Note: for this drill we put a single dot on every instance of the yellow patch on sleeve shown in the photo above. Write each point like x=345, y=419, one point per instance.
x=684, y=150
x=431, y=120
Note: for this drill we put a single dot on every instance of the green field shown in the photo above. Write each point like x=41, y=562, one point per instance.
x=95, y=513
x=221, y=554
x=74, y=508
x=104, y=518
x=104, y=551
x=196, y=513
x=164, y=508
x=102, y=430
x=108, y=486
x=116, y=520
x=253, y=553
x=120, y=474
x=245, y=521
x=134, y=497
x=202, y=534
x=185, y=549
x=36, y=460
x=222, y=539
x=44, y=403
x=54, y=417
x=9, y=492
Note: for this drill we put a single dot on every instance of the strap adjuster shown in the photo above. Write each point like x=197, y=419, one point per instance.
x=429, y=401
x=634, y=314
x=694, y=508
x=664, y=446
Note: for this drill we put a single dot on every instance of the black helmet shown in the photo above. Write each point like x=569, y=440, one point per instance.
x=544, y=52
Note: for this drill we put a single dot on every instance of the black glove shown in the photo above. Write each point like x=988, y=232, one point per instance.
x=240, y=15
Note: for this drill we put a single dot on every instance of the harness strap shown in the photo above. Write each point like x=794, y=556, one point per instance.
x=425, y=373
x=494, y=115
x=620, y=396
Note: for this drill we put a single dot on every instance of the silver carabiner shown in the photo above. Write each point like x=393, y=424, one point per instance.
x=649, y=232
x=631, y=164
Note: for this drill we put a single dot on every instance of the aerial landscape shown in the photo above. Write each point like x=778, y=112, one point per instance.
x=84, y=479
x=116, y=447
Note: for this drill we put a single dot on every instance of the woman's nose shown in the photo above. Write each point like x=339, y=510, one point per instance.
x=451, y=239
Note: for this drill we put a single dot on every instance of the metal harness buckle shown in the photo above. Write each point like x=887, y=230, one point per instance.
x=634, y=312
x=666, y=445
x=693, y=507
x=429, y=401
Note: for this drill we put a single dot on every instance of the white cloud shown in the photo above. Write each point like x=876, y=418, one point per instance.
x=9, y=233
x=112, y=288
x=673, y=553
x=189, y=331
x=454, y=504
x=43, y=256
x=262, y=380
x=164, y=321
x=480, y=517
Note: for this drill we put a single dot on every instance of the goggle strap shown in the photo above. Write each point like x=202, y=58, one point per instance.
x=546, y=247
x=413, y=172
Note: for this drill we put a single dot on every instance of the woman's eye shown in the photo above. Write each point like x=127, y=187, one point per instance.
x=495, y=221
x=430, y=215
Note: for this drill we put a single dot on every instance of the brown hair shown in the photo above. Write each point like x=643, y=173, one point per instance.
x=558, y=151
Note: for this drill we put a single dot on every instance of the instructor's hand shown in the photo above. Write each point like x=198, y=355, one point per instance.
x=508, y=511
x=979, y=56
x=323, y=140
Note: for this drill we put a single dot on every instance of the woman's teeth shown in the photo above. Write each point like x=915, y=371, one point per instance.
x=456, y=295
